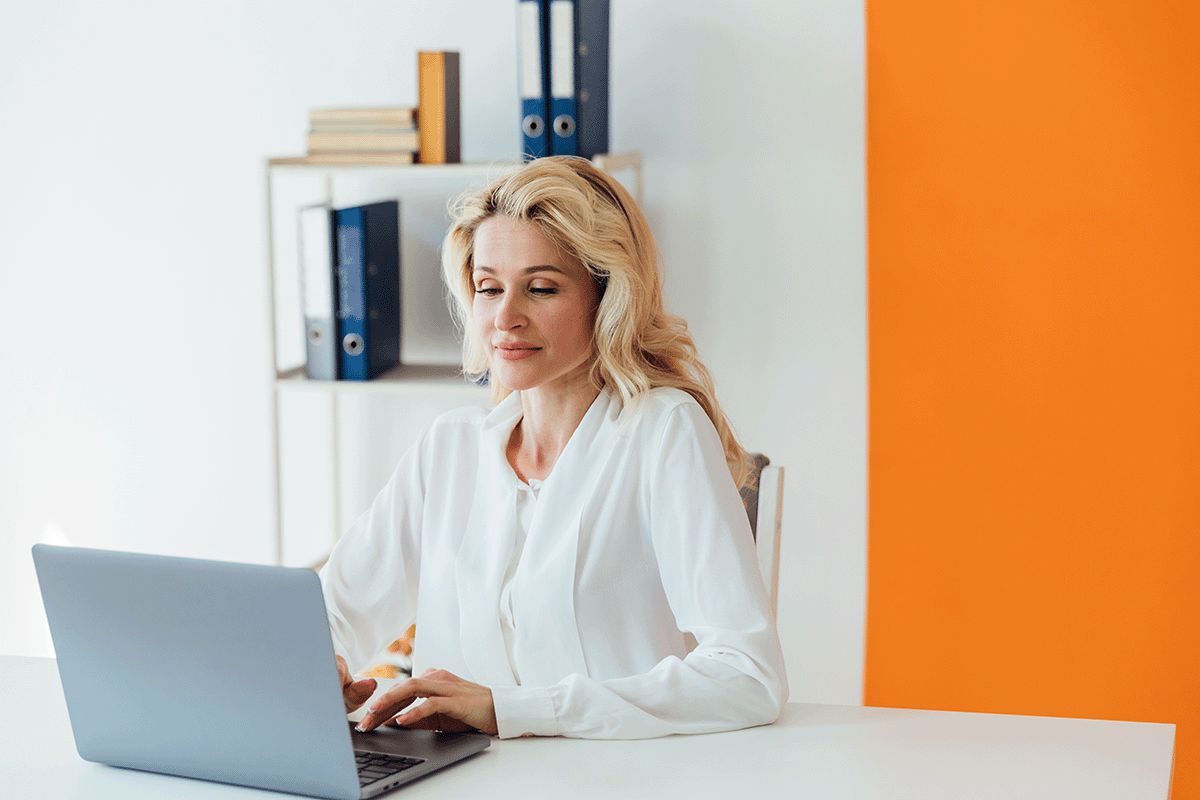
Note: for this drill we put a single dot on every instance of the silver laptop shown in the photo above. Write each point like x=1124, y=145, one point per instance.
x=217, y=671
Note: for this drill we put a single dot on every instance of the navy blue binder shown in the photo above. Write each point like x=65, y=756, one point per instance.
x=368, y=280
x=533, y=78
x=579, y=77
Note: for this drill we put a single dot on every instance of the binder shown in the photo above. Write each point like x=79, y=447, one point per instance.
x=533, y=78
x=579, y=77
x=317, y=288
x=368, y=281
x=438, y=117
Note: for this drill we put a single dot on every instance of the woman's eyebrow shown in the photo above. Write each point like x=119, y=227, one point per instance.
x=528, y=270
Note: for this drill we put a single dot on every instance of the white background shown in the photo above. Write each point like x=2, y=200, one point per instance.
x=134, y=363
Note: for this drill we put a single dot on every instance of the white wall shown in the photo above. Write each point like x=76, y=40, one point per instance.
x=134, y=391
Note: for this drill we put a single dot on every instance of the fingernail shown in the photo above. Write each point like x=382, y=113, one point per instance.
x=360, y=728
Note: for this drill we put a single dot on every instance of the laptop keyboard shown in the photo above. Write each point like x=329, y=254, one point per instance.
x=377, y=766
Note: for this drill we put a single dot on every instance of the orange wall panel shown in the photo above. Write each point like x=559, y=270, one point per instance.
x=1034, y=312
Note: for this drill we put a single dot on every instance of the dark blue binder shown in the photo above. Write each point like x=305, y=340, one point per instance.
x=533, y=78
x=368, y=279
x=579, y=77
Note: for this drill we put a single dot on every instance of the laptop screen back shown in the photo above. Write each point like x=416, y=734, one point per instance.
x=198, y=668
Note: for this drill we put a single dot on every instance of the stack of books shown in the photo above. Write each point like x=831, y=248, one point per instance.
x=381, y=135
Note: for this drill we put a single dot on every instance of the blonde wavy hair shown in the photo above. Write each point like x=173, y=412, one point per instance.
x=586, y=213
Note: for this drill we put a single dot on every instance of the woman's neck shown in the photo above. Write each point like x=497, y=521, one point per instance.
x=550, y=416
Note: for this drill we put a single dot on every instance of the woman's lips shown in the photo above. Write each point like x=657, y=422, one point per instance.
x=516, y=354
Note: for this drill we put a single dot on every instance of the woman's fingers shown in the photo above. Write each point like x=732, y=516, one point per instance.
x=354, y=693
x=358, y=692
x=451, y=704
x=429, y=711
x=396, y=698
x=434, y=722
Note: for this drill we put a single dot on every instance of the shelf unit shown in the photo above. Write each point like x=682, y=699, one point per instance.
x=429, y=380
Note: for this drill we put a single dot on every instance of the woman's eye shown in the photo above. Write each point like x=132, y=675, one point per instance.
x=492, y=291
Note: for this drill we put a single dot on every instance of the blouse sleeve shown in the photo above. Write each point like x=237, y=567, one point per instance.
x=370, y=580
x=735, y=677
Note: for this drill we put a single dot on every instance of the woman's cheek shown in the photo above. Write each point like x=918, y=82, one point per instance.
x=483, y=321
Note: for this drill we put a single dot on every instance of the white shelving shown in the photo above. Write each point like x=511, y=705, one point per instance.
x=336, y=442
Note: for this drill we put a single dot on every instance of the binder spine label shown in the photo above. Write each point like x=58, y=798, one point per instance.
x=530, y=83
x=562, y=49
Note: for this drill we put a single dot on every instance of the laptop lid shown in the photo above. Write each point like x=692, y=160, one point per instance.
x=198, y=668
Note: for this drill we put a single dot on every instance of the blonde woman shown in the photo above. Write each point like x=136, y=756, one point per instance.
x=554, y=551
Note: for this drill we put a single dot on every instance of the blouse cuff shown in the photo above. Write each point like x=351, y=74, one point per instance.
x=524, y=711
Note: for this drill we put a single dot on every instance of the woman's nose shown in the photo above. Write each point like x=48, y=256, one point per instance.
x=511, y=313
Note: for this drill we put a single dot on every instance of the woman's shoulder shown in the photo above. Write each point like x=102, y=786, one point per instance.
x=653, y=408
x=456, y=424
x=444, y=442
x=665, y=398
x=464, y=415
x=459, y=420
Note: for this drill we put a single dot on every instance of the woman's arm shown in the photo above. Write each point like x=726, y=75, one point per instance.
x=370, y=580
x=735, y=677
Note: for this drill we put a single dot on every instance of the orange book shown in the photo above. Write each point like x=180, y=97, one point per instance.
x=438, y=107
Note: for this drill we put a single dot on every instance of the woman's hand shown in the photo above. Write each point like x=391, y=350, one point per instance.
x=452, y=704
x=354, y=693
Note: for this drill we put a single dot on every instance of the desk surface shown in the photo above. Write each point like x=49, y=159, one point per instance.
x=812, y=751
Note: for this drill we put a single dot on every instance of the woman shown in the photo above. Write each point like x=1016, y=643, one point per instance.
x=554, y=551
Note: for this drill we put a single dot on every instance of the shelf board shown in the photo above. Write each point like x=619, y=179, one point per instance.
x=309, y=162
x=401, y=378
x=607, y=161
x=630, y=160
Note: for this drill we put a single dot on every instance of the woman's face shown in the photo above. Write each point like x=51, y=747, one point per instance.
x=534, y=306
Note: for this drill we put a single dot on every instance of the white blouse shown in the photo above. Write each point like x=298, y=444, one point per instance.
x=570, y=601
x=526, y=498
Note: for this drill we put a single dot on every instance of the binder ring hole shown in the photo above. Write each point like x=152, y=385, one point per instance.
x=314, y=336
x=532, y=125
x=352, y=344
x=564, y=125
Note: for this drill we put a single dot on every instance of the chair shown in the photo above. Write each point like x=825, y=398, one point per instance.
x=763, y=498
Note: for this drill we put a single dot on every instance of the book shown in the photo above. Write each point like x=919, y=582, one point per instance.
x=438, y=109
x=358, y=127
x=403, y=157
x=393, y=140
x=379, y=116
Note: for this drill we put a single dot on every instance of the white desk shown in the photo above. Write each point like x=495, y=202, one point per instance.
x=813, y=751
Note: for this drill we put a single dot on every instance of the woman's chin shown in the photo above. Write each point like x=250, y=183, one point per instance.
x=518, y=380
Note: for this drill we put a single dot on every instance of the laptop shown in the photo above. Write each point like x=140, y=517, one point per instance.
x=218, y=671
